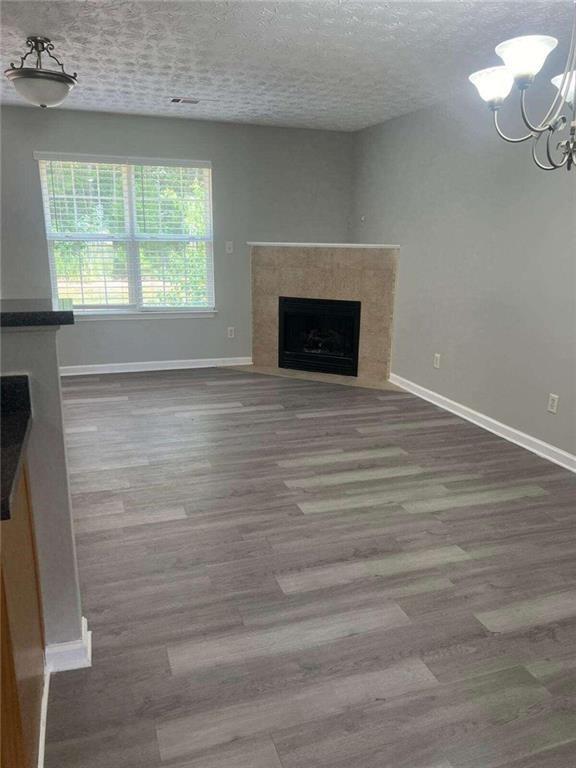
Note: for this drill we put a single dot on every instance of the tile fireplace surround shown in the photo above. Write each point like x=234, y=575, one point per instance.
x=365, y=273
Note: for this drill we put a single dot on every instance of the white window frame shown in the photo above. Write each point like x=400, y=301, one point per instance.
x=134, y=310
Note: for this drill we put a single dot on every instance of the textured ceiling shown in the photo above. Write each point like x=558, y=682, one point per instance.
x=338, y=64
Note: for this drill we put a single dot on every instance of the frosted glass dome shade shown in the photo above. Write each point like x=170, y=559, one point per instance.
x=569, y=89
x=525, y=56
x=493, y=84
x=41, y=87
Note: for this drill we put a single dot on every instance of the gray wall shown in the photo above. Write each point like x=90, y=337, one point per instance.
x=268, y=184
x=487, y=272
x=33, y=351
x=487, y=269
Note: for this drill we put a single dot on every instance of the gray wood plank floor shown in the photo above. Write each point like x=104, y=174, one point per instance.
x=289, y=574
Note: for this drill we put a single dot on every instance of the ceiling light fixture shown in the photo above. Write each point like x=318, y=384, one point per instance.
x=41, y=87
x=523, y=58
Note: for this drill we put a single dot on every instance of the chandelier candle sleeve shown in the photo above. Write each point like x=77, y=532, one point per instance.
x=569, y=89
x=493, y=84
x=525, y=56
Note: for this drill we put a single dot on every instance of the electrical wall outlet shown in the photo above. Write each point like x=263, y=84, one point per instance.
x=229, y=247
x=231, y=332
x=436, y=362
x=553, y=403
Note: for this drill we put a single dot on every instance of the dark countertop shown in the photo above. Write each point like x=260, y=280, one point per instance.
x=16, y=416
x=20, y=313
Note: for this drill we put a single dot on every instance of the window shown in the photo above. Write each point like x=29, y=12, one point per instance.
x=128, y=235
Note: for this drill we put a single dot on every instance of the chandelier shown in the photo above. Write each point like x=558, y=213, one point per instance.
x=41, y=87
x=523, y=58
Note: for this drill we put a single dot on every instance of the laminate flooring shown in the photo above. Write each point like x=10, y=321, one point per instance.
x=282, y=573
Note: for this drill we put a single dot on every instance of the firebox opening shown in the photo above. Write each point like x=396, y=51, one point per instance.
x=319, y=335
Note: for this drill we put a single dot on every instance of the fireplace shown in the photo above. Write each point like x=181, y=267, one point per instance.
x=319, y=335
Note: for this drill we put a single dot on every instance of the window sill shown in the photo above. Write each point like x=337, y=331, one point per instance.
x=152, y=315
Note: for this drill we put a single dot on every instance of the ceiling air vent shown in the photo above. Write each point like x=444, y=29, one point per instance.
x=184, y=100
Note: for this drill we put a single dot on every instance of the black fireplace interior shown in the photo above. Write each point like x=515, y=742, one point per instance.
x=319, y=335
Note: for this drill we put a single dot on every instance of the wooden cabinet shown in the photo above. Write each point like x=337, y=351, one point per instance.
x=22, y=638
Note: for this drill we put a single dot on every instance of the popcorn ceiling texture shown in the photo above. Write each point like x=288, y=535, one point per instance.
x=336, y=64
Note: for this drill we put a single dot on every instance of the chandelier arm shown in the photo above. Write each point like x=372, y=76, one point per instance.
x=31, y=52
x=549, y=153
x=566, y=77
x=509, y=139
x=48, y=50
x=563, y=91
x=38, y=46
x=559, y=100
x=542, y=127
x=554, y=112
x=535, y=156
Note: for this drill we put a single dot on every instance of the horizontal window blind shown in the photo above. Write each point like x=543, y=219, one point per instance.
x=126, y=236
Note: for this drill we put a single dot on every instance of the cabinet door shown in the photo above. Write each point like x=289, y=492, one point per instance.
x=23, y=638
x=12, y=750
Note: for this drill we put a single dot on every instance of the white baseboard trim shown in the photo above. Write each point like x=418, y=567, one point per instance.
x=75, y=654
x=43, y=718
x=153, y=365
x=533, y=444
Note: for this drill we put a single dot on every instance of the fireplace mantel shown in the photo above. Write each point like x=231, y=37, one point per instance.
x=344, y=271
x=323, y=245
